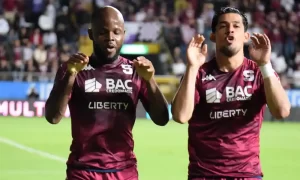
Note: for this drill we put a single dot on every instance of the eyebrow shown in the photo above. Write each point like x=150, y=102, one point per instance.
x=226, y=22
x=107, y=28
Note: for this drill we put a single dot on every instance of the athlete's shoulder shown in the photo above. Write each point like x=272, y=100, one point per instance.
x=208, y=66
x=250, y=64
x=125, y=61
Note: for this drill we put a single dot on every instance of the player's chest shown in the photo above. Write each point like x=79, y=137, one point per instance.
x=233, y=90
x=107, y=85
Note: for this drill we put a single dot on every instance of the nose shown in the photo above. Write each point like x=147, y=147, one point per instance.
x=230, y=28
x=110, y=36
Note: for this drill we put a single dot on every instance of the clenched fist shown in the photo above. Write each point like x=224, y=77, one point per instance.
x=77, y=62
x=144, y=68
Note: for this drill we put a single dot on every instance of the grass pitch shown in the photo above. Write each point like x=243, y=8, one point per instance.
x=32, y=149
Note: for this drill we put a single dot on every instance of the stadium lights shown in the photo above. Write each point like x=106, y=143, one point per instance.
x=140, y=49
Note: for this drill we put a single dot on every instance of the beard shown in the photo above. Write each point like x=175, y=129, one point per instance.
x=229, y=51
x=102, y=57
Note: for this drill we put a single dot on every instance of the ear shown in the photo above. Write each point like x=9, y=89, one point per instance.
x=90, y=34
x=247, y=37
x=212, y=37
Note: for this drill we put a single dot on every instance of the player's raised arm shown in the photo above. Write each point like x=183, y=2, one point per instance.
x=156, y=105
x=184, y=100
x=57, y=102
x=276, y=96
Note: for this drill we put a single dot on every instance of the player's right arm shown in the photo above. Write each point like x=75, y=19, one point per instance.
x=184, y=100
x=57, y=102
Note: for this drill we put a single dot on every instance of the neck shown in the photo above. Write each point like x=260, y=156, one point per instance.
x=101, y=60
x=229, y=64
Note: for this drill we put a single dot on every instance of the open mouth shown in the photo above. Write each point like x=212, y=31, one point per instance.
x=110, y=48
x=230, y=39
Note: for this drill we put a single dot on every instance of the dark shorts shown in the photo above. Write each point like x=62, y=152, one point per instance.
x=125, y=174
x=224, y=178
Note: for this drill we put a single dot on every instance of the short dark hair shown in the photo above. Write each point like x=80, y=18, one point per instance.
x=225, y=10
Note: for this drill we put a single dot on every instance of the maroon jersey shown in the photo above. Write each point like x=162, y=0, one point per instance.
x=103, y=111
x=225, y=126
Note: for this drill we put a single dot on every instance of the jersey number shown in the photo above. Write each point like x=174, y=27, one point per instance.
x=127, y=69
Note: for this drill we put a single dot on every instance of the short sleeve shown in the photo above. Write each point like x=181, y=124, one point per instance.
x=60, y=78
x=197, y=87
x=143, y=95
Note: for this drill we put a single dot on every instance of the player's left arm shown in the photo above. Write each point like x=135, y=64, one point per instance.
x=152, y=98
x=276, y=97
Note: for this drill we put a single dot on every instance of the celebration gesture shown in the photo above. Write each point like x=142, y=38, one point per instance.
x=196, y=53
x=260, y=49
x=77, y=62
x=144, y=68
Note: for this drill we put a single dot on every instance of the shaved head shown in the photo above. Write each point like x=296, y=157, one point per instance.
x=107, y=33
x=104, y=11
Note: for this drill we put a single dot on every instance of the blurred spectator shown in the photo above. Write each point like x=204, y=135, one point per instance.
x=18, y=61
x=178, y=65
x=52, y=56
x=32, y=94
x=49, y=39
x=4, y=26
x=38, y=35
x=28, y=57
x=9, y=7
x=40, y=56
x=23, y=35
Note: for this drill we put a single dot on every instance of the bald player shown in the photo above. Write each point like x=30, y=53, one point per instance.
x=102, y=91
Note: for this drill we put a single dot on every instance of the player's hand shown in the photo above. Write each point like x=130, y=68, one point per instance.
x=77, y=62
x=260, y=49
x=196, y=53
x=144, y=68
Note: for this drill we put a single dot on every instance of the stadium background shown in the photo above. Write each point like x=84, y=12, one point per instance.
x=37, y=35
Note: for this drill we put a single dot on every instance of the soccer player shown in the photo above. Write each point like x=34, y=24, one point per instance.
x=102, y=92
x=224, y=100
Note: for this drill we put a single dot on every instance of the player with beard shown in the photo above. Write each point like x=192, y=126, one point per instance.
x=224, y=100
x=102, y=92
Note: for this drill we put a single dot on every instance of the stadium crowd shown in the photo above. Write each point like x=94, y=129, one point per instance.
x=37, y=35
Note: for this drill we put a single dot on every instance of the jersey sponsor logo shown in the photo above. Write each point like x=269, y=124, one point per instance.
x=118, y=86
x=238, y=94
x=127, y=69
x=88, y=68
x=92, y=85
x=209, y=78
x=108, y=105
x=248, y=75
x=213, y=96
x=227, y=113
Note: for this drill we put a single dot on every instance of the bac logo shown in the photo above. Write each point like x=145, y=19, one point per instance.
x=118, y=86
x=92, y=85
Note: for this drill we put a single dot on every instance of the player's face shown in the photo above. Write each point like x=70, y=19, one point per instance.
x=108, y=36
x=230, y=34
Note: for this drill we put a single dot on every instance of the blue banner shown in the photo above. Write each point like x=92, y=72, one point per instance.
x=18, y=91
